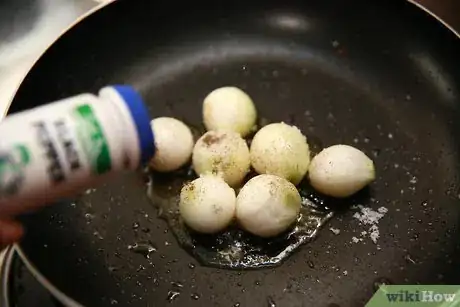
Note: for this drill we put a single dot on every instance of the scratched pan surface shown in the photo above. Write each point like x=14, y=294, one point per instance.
x=381, y=75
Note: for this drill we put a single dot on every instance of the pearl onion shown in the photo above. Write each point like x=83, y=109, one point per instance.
x=223, y=153
x=281, y=150
x=207, y=204
x=267, y=205
x=341, y=171
x=173, y=142
x=229, y=108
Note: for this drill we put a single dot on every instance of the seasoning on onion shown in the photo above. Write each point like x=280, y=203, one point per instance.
x=281, y=150
x=207, y=204
x=173, y=142
x=267, y=205
x=229, y=108
x=341, y=171
x=223, y=153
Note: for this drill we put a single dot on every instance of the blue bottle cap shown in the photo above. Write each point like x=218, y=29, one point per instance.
x=141, y=118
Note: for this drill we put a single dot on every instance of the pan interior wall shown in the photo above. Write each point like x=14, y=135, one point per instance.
x=376, y=76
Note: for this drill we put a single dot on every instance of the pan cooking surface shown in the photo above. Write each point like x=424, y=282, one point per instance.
x=380, y=77
x=233, y=248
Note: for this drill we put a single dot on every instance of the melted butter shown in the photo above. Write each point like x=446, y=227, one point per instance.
x=233, y=248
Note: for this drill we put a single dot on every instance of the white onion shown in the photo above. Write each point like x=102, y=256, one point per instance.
x=207, y=204
x=173, y=142
x=229, y=108
x=267, y=205
x=341, y=171
x=281, y=150
x=222, y=153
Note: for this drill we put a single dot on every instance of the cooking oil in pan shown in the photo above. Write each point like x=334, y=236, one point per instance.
x=144, y=249
x=233, y=248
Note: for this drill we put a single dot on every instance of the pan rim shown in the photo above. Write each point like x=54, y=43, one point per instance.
x=439, y=19
x=5, y=269
x=59, y=295
x=56, y=292
x=42, y=280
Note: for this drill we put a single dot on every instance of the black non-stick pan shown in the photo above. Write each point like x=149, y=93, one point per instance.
x=383, y=76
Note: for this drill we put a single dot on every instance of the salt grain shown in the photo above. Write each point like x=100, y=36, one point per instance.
x=335, y=230
x=374, y=233
x=371, y=218
x=89, y=191
x=368, y=216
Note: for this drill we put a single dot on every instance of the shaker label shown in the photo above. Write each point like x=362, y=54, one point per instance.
x=54, y=167
x=12, y=164
x=68, y=144
x=92, y=138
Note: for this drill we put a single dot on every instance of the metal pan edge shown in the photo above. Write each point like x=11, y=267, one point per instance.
x=58, y=294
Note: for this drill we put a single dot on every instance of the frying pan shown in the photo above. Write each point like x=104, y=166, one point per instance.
x=380, y=75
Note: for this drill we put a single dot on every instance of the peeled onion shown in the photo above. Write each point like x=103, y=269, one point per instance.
x=173, y=142
x=341, y=171
x=281, y=150
x=207, y=204
x=223, y=153
x=229, y=108
x=267, y=205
